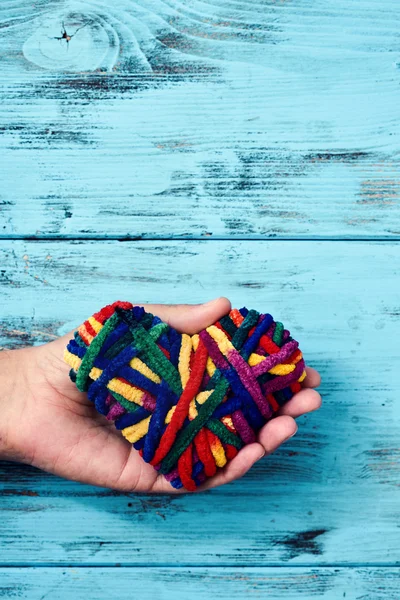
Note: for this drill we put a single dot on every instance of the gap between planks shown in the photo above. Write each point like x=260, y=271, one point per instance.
x=255, y=565
x=256, y=238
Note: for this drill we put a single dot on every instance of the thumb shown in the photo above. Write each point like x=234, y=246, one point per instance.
x=190, y=318
x=185, y=318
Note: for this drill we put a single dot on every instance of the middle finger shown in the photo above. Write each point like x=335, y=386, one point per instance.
x=303, y=402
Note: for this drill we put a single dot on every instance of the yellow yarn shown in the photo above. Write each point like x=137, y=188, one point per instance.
x=95, y=373
x=282, y=369
x=195, y=341
x=184, y=359
x=169, y=414
x=133, y=433
x=129, y=392
x=192, y=410
x=140, y=366
x=302, y=376
x=227, y=420
x=219, y=336
x=72, y=360
x=95, y=324
x=203, y=396
x=255, y=359
x=218, y=452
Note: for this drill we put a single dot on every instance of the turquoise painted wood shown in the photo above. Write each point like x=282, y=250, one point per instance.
x=329, y=497
x=242, y=149
x=275, y=583
x=193, y=119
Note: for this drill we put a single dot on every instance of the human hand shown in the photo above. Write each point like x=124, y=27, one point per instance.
x=48, y=423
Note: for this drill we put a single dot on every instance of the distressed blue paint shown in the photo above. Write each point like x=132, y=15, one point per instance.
x=212, y=121
x=329, y=497
x=275, y=584
x=187, y=119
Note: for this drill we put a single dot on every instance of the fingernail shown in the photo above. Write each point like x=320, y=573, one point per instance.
x=293, y=434
x=261, y=456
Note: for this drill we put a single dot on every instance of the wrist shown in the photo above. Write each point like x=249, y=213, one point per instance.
x=12, y=396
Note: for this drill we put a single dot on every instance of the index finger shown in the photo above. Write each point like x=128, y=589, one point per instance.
x=312, y=379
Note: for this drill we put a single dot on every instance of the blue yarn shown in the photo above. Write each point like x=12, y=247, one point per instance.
x=164, y=401
x=131, y=418
x=139, y=444
x=163, y=340
x=100, y=401
x=97, y=387
x=176, y=341
x=251, y=343
x=176, y=483
x=138, y=312
x=114, y=337
x=139, y=380
x=77, y=349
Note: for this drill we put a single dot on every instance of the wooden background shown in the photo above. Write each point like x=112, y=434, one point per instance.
x=174, y=151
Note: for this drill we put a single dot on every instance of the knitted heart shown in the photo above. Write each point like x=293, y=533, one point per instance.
x=187, y=403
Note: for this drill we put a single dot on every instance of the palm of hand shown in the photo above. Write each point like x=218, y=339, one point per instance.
x=64, y=434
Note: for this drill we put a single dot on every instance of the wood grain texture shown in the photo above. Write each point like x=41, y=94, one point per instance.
x=223, y=583
x=216, y=133
x=200, y=119
x=330, y=496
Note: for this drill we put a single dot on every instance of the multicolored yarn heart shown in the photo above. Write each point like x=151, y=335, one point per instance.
x=187, y=403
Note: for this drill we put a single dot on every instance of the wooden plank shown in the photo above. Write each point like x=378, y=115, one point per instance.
x=272, y=517
x=191, y=119
x=329, y=496
x=220, y=583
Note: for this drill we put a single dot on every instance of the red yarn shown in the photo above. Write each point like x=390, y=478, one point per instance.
x=182, y=406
